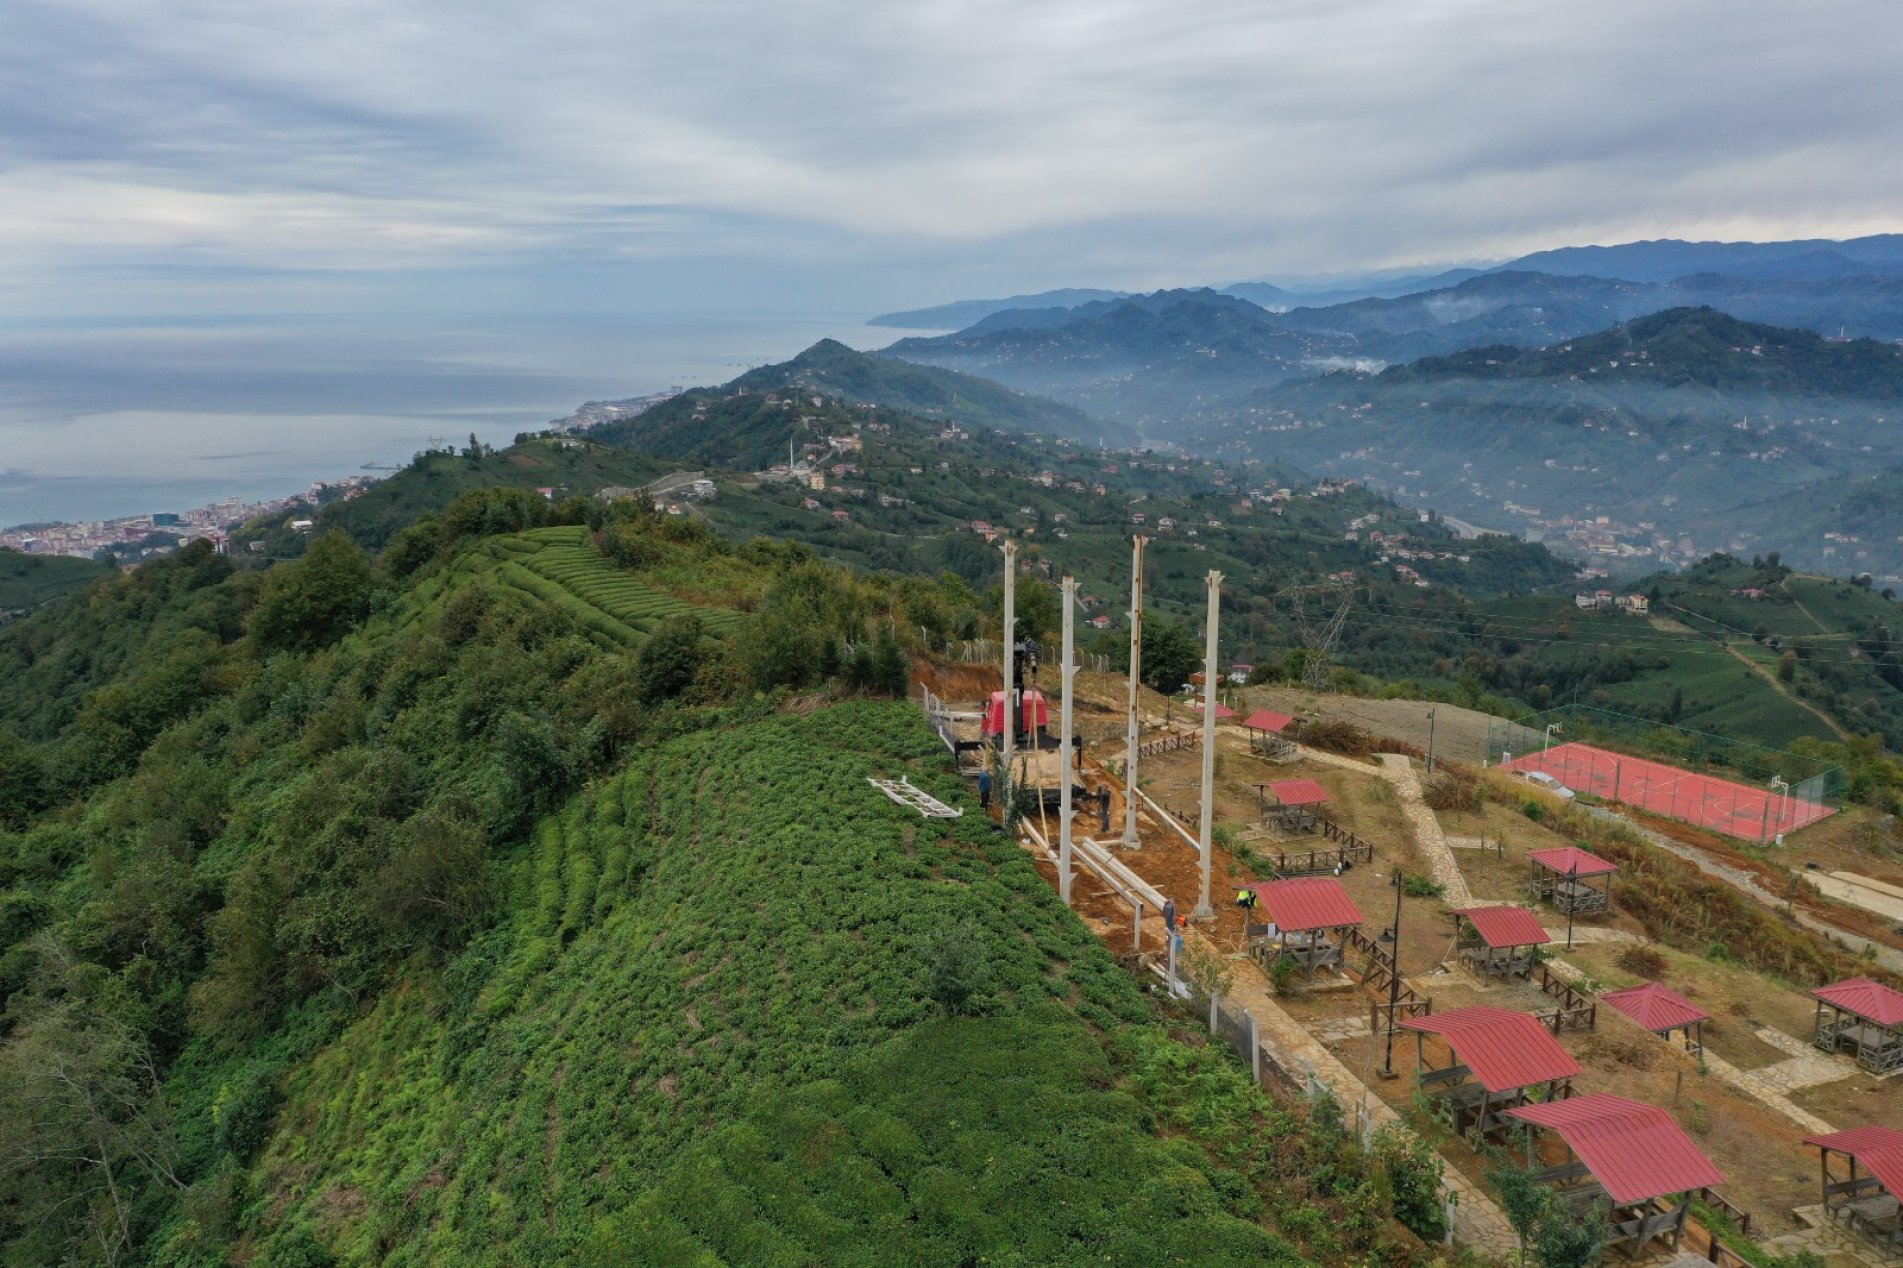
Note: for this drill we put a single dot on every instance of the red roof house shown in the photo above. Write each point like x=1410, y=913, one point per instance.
x=1567, y=875
x=1308, y=920
x=1298, y=792
x=1304, y=903
x=1502, y=942
x=1866, y=1202
x=1863, y=1018
x=1636, y=1153
x=1661, y=1010
x=1635, y=1150
x=1506, y=1054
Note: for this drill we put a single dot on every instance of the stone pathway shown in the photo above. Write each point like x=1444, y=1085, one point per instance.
x=1762, y=1090
x=1340, y=1029
x=1828, y=1238
x=1806, y=1067
x=1802, y=1072
x=1789, y=1045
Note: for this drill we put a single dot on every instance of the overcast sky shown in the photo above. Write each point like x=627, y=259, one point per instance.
x=232, y=155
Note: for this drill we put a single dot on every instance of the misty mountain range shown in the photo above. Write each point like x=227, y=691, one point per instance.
x=1661, y=260
x=1696, y=395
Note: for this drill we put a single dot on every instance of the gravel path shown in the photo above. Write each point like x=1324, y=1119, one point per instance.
x=1747, y=884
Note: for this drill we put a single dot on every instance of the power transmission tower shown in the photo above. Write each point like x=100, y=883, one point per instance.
x=1321, y=611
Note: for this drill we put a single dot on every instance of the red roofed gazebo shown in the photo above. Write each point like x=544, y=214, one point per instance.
x=1661, y=1010
x=1506, y=1055
x=1502, y=941
x=1567, y=876
x=1266, y=735
x=1309, y=917
x=1868, y=1203
x=1297, y=804
x=1864, y=1018
x=1635, y=1153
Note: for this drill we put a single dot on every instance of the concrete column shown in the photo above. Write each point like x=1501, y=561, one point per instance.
x=1010, y=549
x=1130, y=838
x=1068, y=678
x=1214, y=581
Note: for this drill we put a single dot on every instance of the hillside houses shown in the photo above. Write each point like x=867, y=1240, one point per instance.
x=1606, y=601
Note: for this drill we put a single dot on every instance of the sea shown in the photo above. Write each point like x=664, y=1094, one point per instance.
x=100, y=419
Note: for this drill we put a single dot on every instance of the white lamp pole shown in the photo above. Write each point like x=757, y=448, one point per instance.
x=1214, y=581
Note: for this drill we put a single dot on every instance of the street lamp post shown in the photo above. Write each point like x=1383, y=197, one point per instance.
x=1393, y=936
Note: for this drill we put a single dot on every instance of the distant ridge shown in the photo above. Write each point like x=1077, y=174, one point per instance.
x=1658, y=261
x=961, y=313
x=678, y=428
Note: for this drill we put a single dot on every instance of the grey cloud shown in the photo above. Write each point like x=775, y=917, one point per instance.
x=1102, y=141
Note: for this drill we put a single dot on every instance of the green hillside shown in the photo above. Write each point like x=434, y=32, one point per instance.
x=26, y=581
x=411, y=911
x=698, y=941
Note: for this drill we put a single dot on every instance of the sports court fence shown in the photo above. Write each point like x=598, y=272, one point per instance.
x=1741, y=789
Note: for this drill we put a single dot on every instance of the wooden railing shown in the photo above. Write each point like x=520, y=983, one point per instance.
x=1379, y=977
x=1170, y=742
x=1349, y=850
x=1729, y=1209
x=1360, y=851
x=1577, y=1010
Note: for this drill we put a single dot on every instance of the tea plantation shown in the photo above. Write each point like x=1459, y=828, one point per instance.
x=736, y=936
x=560, y=568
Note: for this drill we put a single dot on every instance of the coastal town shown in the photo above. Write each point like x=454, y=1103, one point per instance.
x=131, y=538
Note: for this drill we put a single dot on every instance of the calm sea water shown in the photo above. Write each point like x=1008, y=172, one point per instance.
x=99, y=420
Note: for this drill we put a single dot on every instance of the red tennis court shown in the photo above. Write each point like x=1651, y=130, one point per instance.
x=1739, y=810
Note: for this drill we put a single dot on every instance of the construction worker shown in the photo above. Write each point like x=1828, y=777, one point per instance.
x=984, y=790
x=1103, y=807
x=1169, y=914
x=1247, y=898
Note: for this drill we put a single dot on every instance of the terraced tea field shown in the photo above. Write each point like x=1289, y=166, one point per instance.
x=560, y=566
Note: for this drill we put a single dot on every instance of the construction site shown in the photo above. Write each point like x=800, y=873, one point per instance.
x=1515, y=973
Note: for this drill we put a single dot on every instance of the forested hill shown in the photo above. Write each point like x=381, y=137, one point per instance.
x=519, y=896
x=839, y=376
x=1689, y=347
